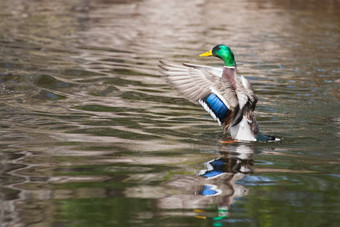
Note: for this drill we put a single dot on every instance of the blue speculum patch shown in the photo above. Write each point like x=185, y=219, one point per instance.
x=217, y=106
x=215, y=168
x=208, y=190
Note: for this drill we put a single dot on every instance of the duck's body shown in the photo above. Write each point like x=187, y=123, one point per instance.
x=230, y=99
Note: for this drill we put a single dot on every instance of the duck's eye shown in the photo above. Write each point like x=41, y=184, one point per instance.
x=217, y=48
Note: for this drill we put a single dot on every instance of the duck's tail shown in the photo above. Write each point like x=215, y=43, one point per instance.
x=263, y=138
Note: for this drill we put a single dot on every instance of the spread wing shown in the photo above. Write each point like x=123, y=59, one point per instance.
x=199, y=85
x=213, y=70
x=247, y=100
x=249, y=91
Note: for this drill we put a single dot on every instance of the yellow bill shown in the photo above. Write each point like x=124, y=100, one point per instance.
x=208, y=53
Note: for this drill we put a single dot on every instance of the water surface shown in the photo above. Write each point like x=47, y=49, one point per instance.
x=91, y=135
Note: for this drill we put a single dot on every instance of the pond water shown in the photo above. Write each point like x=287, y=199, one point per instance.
x=91, y=135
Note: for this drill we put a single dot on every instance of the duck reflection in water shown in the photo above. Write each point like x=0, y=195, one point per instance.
x=215, y=184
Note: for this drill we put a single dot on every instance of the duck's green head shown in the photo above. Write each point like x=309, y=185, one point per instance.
x=223, y=52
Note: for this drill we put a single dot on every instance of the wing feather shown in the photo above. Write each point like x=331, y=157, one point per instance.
x=196, y=83
x=249, y=92
x=213, y=70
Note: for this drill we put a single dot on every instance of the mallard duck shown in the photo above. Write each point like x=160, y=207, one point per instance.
x=229, y=98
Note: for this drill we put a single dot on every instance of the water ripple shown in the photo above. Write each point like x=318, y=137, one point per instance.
x=90, y=131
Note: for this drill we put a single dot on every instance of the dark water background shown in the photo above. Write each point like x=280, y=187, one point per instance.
x=90, y=134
